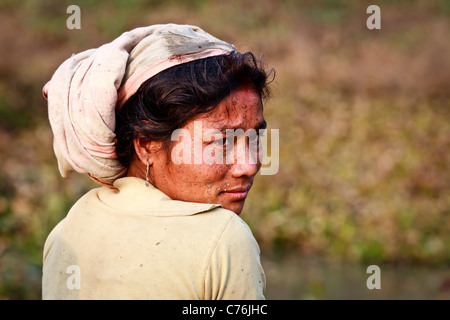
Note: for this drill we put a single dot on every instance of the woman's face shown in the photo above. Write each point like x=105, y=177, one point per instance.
x=214, y=157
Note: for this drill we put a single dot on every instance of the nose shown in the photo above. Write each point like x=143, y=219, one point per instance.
x=246, y=161
x=244, y=170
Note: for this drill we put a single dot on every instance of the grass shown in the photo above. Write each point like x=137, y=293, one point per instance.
x=363, y=117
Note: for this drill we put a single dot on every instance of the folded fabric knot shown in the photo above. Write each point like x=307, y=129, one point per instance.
x=87, y=90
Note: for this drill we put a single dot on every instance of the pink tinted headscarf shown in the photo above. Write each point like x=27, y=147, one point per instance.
x=88, y=89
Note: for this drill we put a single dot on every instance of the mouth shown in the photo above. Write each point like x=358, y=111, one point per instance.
x=236, y=193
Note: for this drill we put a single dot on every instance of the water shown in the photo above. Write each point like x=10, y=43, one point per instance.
x=291, y=276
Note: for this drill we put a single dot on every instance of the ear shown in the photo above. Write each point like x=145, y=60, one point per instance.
x=146, y=150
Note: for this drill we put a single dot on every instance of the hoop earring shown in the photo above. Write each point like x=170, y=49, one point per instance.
x=147, y=182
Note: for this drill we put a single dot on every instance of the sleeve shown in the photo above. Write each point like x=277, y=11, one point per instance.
x=235, y=271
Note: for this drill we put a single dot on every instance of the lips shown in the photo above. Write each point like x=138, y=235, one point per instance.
x=236, y=193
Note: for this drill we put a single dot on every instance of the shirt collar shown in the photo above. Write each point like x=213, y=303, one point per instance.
x=133, y=196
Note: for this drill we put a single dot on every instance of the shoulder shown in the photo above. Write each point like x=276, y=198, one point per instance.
x=229, y=233
x=237, y=230
x=238, y=237
x=233, y=228
x=234, y=268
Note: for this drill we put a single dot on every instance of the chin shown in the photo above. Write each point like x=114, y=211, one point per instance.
x=235, y=207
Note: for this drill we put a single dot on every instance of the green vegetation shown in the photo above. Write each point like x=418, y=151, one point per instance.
x=364, y=120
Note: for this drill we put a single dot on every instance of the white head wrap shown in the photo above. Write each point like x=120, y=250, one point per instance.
x=87, y=89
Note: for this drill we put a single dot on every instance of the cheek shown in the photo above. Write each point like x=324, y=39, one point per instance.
x=196, y=180
x=195, y=183
x=196, y=163
x=207, y=175
x=193, y=173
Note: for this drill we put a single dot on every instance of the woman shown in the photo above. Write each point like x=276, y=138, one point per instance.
x=156, y=117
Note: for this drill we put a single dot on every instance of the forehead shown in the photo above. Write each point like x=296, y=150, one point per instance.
x=241, y=109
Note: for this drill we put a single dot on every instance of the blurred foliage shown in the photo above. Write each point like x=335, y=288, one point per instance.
x=364, y=120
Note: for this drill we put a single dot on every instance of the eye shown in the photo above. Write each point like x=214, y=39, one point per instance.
x=224, y=142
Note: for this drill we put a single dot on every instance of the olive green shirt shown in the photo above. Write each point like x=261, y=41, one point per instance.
x=134, y=242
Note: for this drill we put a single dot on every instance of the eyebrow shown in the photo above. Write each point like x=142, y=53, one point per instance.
x=259, y=126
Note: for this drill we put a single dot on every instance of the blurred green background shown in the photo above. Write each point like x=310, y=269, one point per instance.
x=364, y=123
